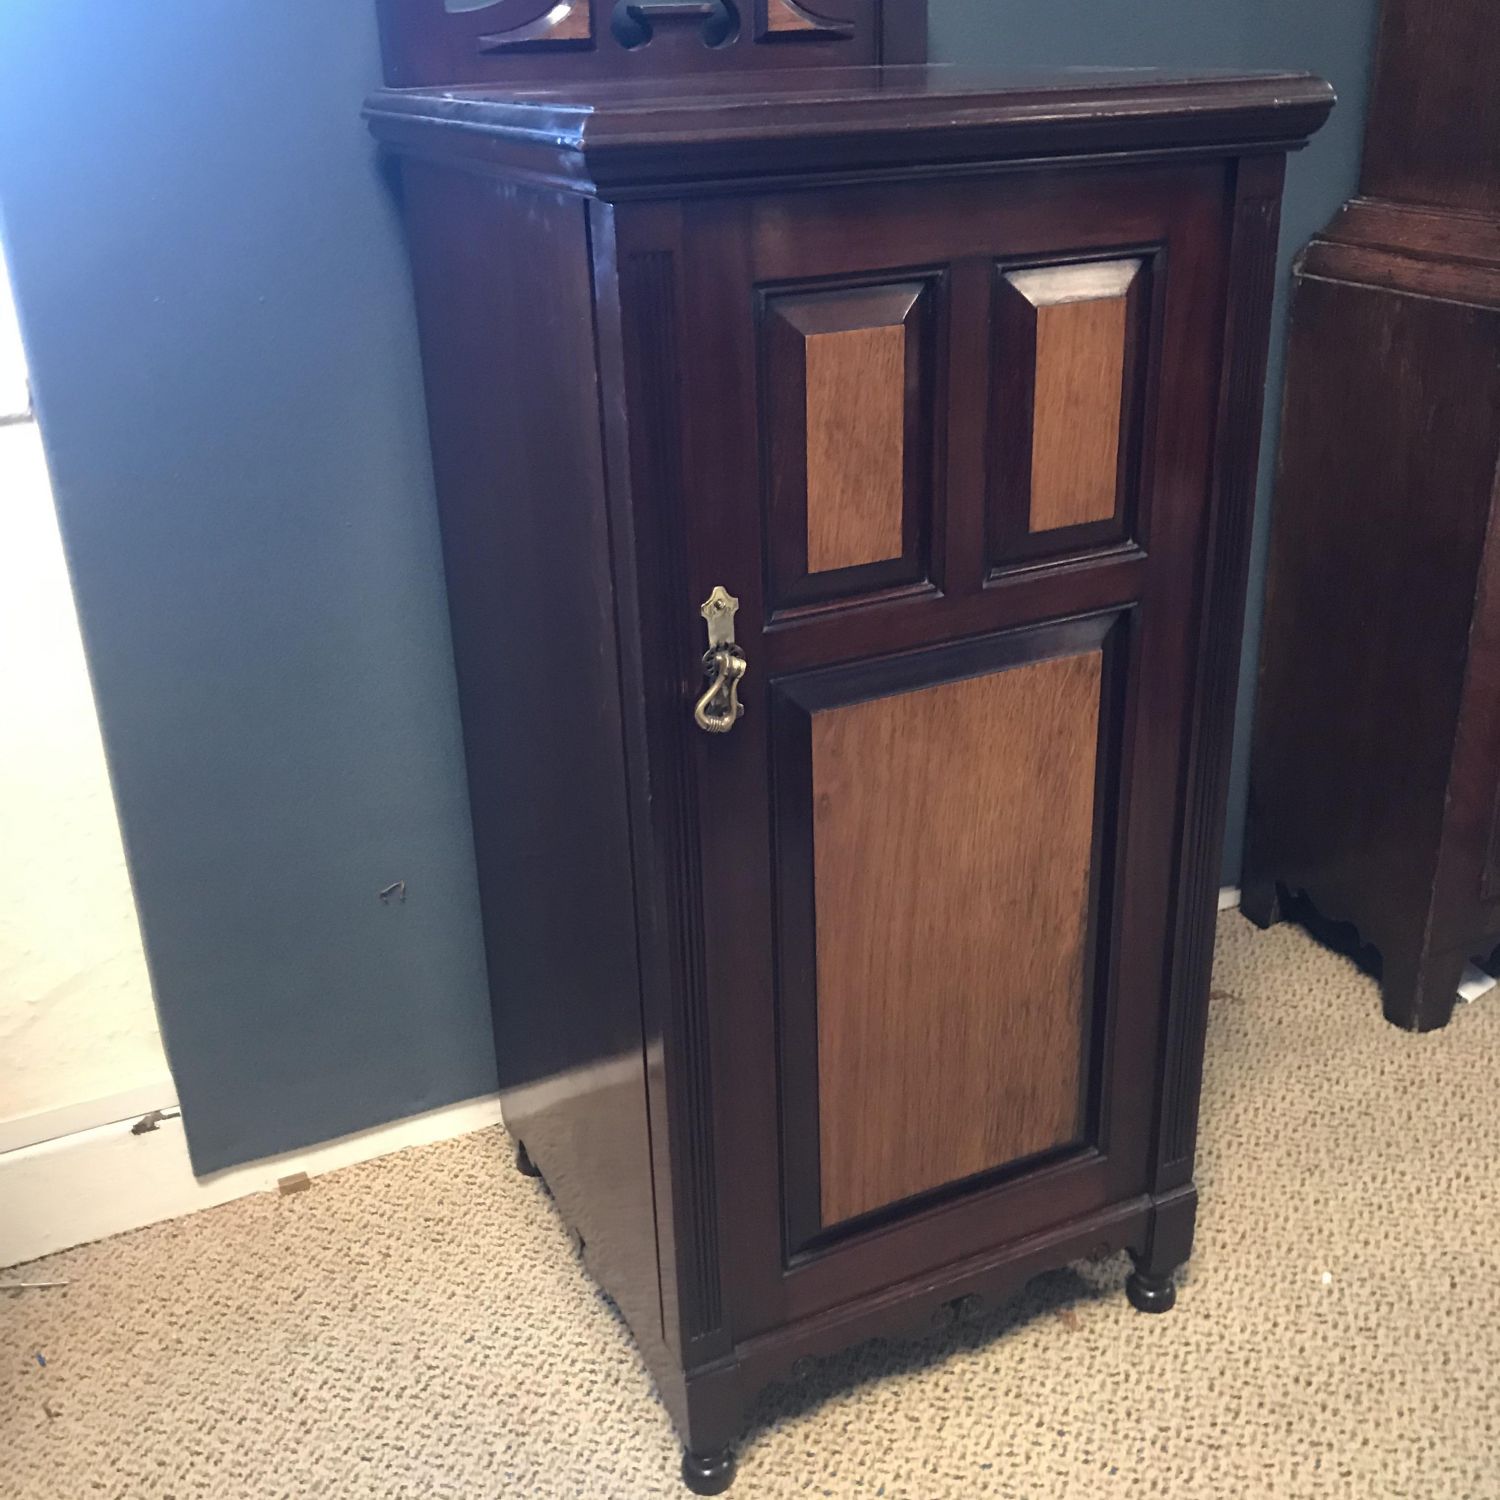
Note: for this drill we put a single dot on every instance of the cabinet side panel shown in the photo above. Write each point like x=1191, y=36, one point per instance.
x=504, y=300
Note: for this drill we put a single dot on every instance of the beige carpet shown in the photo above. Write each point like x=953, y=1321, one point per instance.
x=418, y=1327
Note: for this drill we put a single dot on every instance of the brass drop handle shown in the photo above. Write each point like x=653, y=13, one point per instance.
x=724, y=664
x=718, y=710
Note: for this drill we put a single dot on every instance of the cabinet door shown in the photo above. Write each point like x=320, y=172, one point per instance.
x=949, y=444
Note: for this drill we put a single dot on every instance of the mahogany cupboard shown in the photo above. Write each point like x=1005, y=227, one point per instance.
x=845, y=481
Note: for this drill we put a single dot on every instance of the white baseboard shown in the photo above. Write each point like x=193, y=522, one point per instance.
x=73, y=1119
x=85, y=1186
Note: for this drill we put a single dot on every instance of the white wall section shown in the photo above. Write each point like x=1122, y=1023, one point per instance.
x=79, y=1043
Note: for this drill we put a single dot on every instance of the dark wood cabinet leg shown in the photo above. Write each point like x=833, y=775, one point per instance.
x=708, y=1473
x=1150, y=1286
x=709, y=1413
x=1150, y=1293
x=1260, y=900
x=1419, y=993
x=524, y=1164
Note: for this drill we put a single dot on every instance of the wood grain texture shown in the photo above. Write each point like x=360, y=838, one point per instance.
x=648, y=307
x=856, y=414
x=1434, y=128
x=1355, y=805
x=783, y=16
x=953, y=829
x=545, y=25
x=1081, y=320
x=1080, y=366
x=1252, y=264
x=576, y=24
x=849, y=394
x=492, y=275
x=1386, y=538
x=801, y=19
x=605, y=135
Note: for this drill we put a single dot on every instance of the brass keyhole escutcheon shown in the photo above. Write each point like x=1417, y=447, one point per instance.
x=724, y=664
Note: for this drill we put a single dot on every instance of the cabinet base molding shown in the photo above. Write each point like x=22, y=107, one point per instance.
x=709, y=1404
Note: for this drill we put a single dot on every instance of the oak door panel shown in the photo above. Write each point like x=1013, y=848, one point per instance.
x=1075, y=445
x=1071, y=364
x=847, y=380
x=1079, y=389
x=951, y=847
x=855, y=446
x=942, y=829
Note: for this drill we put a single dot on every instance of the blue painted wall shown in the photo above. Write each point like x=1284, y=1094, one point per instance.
x=218, y=317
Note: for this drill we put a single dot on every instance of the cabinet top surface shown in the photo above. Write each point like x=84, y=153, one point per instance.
x=753, y=123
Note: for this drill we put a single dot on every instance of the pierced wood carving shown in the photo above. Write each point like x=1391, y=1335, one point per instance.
x=793, y=19
x=533, y=23
x=634, y=24
x=443, y=43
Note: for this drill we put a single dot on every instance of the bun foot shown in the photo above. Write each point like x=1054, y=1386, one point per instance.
x=708, y=1473
x=524, y=1164
x=1151, y=1294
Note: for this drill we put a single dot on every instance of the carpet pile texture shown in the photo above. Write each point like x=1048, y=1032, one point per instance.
x=418, y=1326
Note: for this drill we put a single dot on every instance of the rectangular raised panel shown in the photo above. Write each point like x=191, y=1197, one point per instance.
x=856, y=402
x=848, y=428
x=1081, y=331
x=1080, y=357
x=953, y=830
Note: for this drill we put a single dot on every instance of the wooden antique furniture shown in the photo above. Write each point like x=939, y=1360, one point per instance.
x=1376, y=762
x=844, y=479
